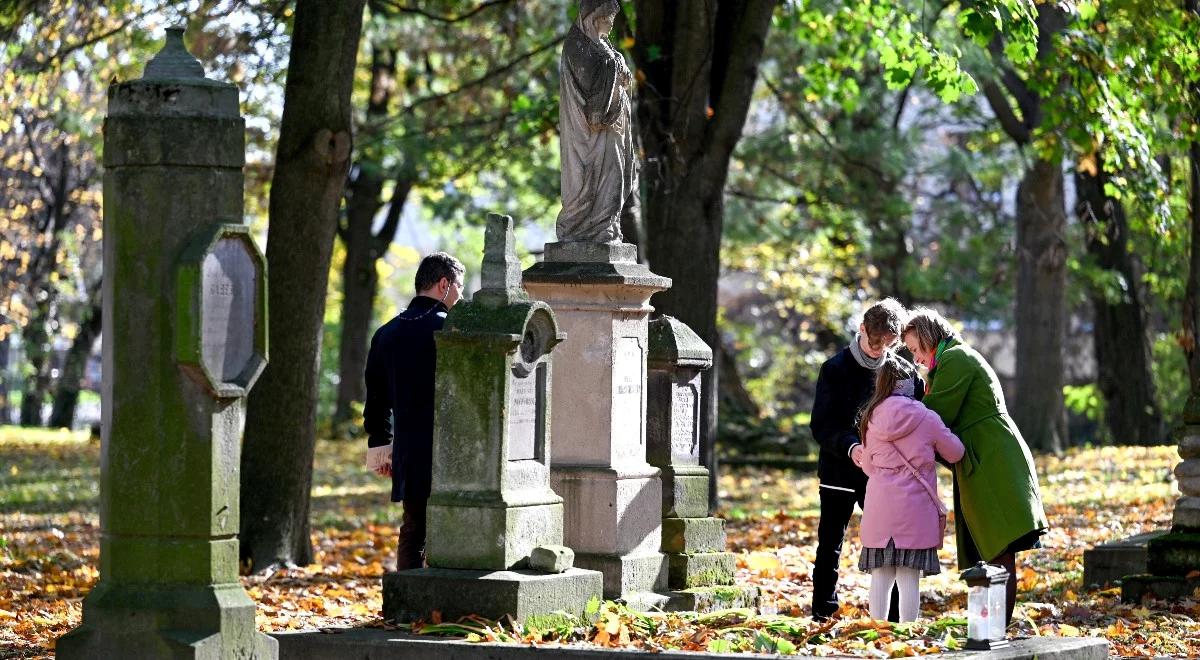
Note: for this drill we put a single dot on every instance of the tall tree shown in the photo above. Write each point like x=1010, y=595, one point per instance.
x=70, y=382
x=697, y=65
x=1191, y=303
x=1120, y=335
x=364, y=245
x=312, y=160
x=473, y=84
x=1041, y=237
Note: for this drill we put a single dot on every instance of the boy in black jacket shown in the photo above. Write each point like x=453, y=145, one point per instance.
x=846, y=382
x=401, y=366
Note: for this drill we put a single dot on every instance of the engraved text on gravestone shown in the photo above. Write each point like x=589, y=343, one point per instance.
x=228, y=304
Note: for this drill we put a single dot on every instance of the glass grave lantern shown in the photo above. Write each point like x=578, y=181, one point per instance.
x=985, y=606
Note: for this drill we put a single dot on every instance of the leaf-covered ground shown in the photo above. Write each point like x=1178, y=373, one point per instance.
x=49, y=534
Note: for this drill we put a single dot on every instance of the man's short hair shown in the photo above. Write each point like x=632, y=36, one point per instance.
x=436, y=266
x=885, y=317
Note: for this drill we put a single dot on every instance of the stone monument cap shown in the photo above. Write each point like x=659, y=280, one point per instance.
x=173, y=84
x=673, y=344
x=501, y=270
x=173, y=62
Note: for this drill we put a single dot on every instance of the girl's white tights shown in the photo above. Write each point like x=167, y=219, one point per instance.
x=907, y=580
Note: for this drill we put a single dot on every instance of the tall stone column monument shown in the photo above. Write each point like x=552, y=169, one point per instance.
x=601, y=297
x=184, y=340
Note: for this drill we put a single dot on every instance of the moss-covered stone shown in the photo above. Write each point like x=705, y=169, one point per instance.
x=690, y=535
x=409, y=595
x=1136, y=587
x=702, y=569
x=711, y=599
x=1174, y=554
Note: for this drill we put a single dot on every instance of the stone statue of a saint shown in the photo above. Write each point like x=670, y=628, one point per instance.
x=599, y=163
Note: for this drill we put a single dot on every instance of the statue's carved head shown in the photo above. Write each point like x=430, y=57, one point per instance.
x=598, y=15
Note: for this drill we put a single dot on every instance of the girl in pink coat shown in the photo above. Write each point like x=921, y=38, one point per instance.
x=901, y=530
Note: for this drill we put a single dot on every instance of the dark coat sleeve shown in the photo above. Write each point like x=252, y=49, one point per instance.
x=377, y=413
x=826, y=404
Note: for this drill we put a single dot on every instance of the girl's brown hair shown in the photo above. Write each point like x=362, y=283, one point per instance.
x=889, y=373
x=930, y=328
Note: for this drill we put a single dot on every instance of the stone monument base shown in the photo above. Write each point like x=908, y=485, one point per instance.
x=1135, y=587
x=201, y=621
x=685, y=491
x=586, y=252
x=517, y=530
x=634, y=578
x=711, y=599
x=701, y=569
x=415, y=594
x=1174, y=554
x=1109, y=562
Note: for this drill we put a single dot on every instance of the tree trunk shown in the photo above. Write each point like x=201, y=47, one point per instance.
x=1191, y=300
x=66, y=395
x=1041, y=302
x=1121, y=341
x=692, y=107
x=359, y=281
x=37, y=354
x=5, y=406
x=310, y=170
x=734, y=394
x=1041, y=246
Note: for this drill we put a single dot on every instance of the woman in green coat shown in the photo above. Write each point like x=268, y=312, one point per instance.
x=997, y=501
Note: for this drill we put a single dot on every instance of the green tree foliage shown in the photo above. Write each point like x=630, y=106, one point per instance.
x=58, y=59
x=460, y=116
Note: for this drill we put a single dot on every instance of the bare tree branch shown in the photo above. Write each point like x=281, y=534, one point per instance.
x=387, y=6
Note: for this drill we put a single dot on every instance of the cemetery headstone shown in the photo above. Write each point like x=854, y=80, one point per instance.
x=700, y=571
x=491, y=506
x=184, y=339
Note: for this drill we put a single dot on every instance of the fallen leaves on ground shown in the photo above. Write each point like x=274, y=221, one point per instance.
x=49, y=555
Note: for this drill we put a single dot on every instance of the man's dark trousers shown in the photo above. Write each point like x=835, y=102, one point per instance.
x=836, y=508
x=411, y=553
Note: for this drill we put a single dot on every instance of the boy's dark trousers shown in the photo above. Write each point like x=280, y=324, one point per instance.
x=836, y=509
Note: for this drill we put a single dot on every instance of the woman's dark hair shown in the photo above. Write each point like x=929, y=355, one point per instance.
x=889, y=373
x=436, y=266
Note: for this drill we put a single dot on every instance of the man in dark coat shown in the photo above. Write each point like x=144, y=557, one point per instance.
x=400, y=380
x=846, y=382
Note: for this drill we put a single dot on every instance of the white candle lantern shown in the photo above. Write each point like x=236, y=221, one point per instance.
x=986, y=601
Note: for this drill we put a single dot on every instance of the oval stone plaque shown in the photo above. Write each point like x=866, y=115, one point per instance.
x=227, y=308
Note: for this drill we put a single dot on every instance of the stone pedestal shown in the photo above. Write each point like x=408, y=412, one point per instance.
x=1172, y=558
x=611, y=494
x=700, y=572
x=491, y=505
x=1109, y=562
x=184, y=340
